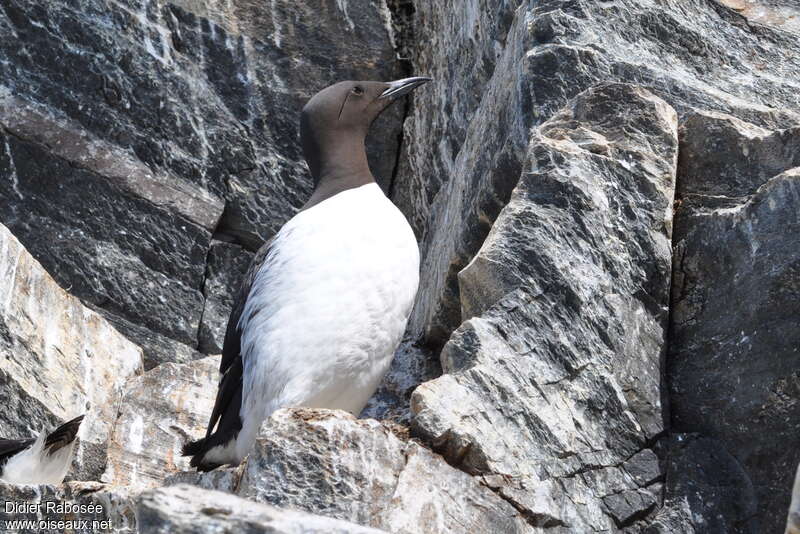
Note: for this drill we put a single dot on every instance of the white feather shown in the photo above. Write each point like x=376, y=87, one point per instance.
x=326, y=311
x=35, y=466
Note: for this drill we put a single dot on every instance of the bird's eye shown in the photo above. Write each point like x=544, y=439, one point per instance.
x=357, y=90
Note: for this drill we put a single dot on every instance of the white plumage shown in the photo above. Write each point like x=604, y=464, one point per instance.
x=36, y=465
x=326, y=310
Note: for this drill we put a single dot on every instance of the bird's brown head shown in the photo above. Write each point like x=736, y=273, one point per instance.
x=334, y=123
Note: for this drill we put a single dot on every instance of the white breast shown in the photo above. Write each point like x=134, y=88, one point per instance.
x=328, y=308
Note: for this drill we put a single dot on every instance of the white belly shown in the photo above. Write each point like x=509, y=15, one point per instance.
x=328, y=308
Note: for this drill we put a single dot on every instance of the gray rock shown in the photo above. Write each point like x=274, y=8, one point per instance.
x=724, y=158
x=783, y=14
x=160, y=411
x=147, y=148
x=361, y=471
x=507, y=67
x=133, y=132
x=706, y=490
x=554, y=383
x=673, y=517
x=643, y=467
x=629, y=505
x=412, y=365
x=156, y=348
x=25, y=415
x=185, y=509
x=735, y=315
x=504, y=68
x=93, y=508
x=114, y=240
x=226, y=266
x=67, y=141
x=58, y=359
x=223, y=478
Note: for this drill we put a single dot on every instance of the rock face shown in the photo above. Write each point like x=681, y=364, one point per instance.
x=706, y=489
x=503, y=68
x=177, y=509
x=132, y=133
x=413, y=364
x=576, y=365
x=105, y=227
x=93, y=508
x=363, y=473
x=187, y=509
x=225, y=268
x=737, y=247
x=58, y=359
x=159, y=412
x=507, y=67
x=777, y=13
x=552, y=388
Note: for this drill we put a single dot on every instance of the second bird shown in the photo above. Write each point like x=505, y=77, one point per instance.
x=325, y=302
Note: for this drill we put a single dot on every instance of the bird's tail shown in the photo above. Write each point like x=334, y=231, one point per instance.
x=218, y=447
x=63, y=435
x=45, y=460
x=197, y=450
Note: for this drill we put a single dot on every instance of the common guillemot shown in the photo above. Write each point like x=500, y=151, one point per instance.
x=325, y=302
x=44, y=460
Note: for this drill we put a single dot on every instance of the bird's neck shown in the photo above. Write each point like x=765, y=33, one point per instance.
x=341, y=165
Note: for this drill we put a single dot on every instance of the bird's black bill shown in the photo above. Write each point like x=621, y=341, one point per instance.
x=399, y=88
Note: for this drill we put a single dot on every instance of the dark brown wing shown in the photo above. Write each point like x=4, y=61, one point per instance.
x=225, y=422
x=10, y=447
x=63, y=435
x=230, y=367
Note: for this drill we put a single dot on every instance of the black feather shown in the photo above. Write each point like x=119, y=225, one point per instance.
x=225, y=421
x=10, y=447
x=63, y=435
x=56, y=440
x=190, y=448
